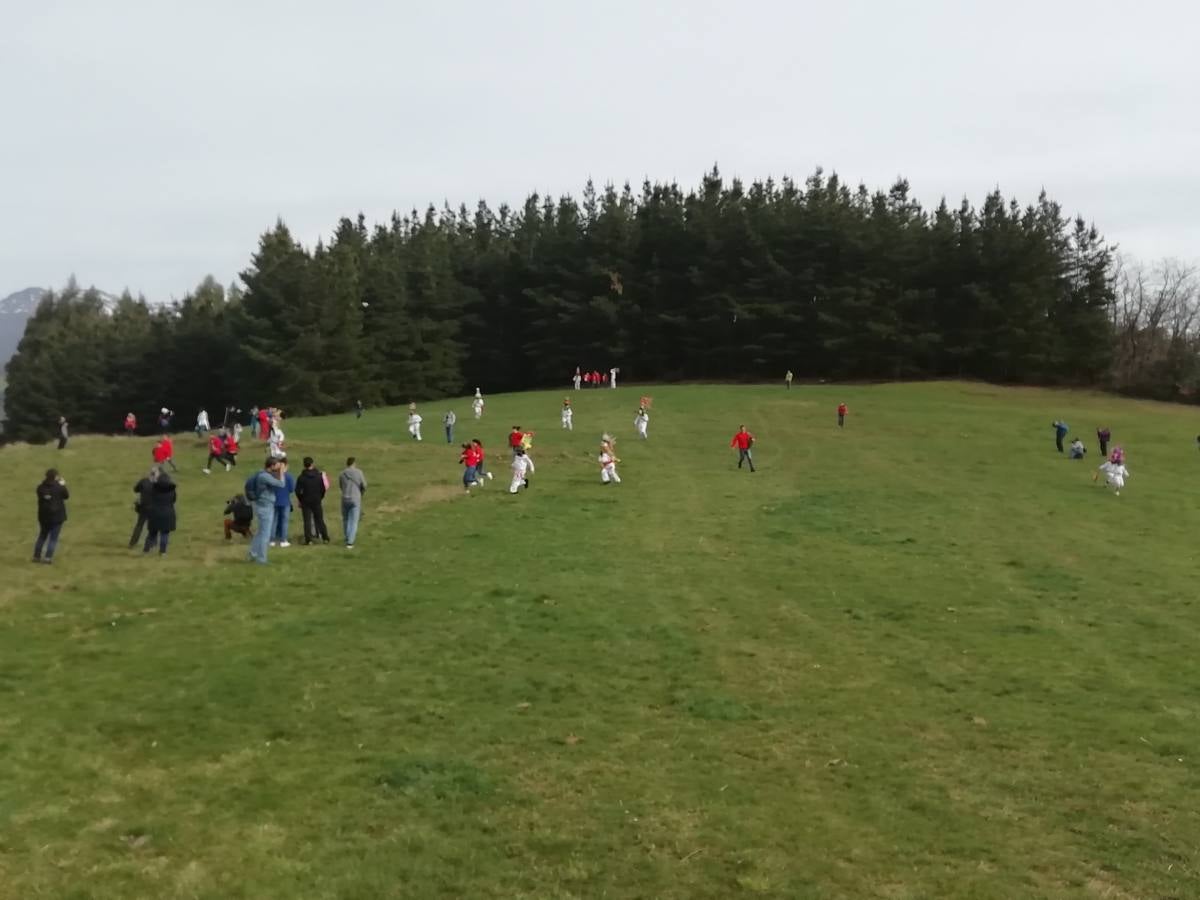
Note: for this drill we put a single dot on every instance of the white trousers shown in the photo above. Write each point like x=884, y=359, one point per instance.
x=609, y=473
x=518, y=482
x=415, y=431
x=641, y=430
x=567, y=424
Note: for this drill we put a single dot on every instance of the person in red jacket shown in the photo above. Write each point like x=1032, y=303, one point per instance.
x=216, y=450
x=163, y=453
x=470, y=461
x=515, y=437
x=480, y=464
x=231, y=451
x=842, y=415
x=743, y=440
x=130, y=424
x=264, y=424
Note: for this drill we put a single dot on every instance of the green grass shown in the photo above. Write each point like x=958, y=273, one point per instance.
x=921, y=657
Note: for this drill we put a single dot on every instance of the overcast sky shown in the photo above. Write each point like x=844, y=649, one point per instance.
x=146, y=144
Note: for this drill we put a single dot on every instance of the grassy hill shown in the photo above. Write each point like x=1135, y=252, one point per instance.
x=921, y=657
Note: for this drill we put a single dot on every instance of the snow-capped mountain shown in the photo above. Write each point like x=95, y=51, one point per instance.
x=16, y=309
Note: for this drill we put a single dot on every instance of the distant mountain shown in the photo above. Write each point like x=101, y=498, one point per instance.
x=16, y=309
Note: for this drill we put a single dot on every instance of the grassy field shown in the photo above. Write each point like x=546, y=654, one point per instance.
x=921, y=657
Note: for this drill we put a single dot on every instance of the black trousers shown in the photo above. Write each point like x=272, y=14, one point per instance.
x=137, y=529
x=1058, y=438
x=314, y=523
x=1104, y=448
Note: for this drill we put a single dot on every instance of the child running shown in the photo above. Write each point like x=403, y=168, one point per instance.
x=522, y=468
x=641, y=422
x=414, y=423
x=481, y=461
x=470, y=461
x=1114, y=471
x=608, y=464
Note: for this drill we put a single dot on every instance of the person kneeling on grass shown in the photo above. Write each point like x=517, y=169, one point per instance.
x=1077, y=450
x=238, y=516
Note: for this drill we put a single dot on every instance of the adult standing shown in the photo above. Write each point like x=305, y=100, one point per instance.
x=787, y=379
x=254, y=420
x=52, y=497
x=743, y=440
x=842, y=410
x=1060, y=431
x=141, y=505
x=283, y=507
x=264, y=423
x=1103, y=435
x=310, y=492
x=449, y=420
x=613, y=379
x=358, y=409
x=64, y=432
x=353, y=485
x=130, y=424
x=202, y=427
x=260, y=490
x=164, y=419
x=577, y=378
x=160, y=521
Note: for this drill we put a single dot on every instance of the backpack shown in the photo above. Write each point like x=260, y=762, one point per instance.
x=251, y=488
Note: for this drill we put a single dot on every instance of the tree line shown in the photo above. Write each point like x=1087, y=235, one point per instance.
x=724, y=281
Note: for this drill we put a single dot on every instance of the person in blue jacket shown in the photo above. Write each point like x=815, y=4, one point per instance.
x=1060, y=432
x=283, y=506
x=260, y=490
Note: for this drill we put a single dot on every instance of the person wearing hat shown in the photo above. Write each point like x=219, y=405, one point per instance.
x=310, y=492
x=164, y=420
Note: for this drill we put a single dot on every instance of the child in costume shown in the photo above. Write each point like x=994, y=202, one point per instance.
x=608, y=463
x=522, y=468
x=1114, y=471
x=641, y=422
x=568, y=415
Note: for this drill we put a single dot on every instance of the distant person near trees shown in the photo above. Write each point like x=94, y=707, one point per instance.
x=130, y=424
x=1103, y=436
x=64, y=432
x=239, y=515
x=576, y=379
x=842, y=411
x=165, y=416
x=143, y=489
x=52, y=497
x=448, y=422
x=414, y=422
x=743, y=440
x=477, y=404
x=310, y=493
x=260, y=490
x=352, y=484
x=787, y=379
x=202, y=426
x=160, y=519
x=264, y=424
x=1060, y=432
x=254, y=421
x=358, y=409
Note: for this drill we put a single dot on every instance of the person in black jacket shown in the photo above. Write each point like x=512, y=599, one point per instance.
x=310, y=491
x=161, y=515
x=238, y=516
x=52, y=496
x=141, y=505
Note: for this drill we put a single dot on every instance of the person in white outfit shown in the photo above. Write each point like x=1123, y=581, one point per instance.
x=1114, y=471
x=414, y=425
x=201, y=422
x=276, y=445
x=577, y=379
x=612, y=377
x=641, y=422
x=522, y=468
x=477, y=404
x=568, y=415
x=608, y=464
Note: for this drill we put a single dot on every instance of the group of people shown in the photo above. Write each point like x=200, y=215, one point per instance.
x=1113, y=468
x=595, y=378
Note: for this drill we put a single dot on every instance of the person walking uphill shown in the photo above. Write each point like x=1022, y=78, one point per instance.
x=743, y=440
x=353, y=485
x=310, y=492
x=52, y=497
x=260, y=490
x=1060, y=432
x=160, y=518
